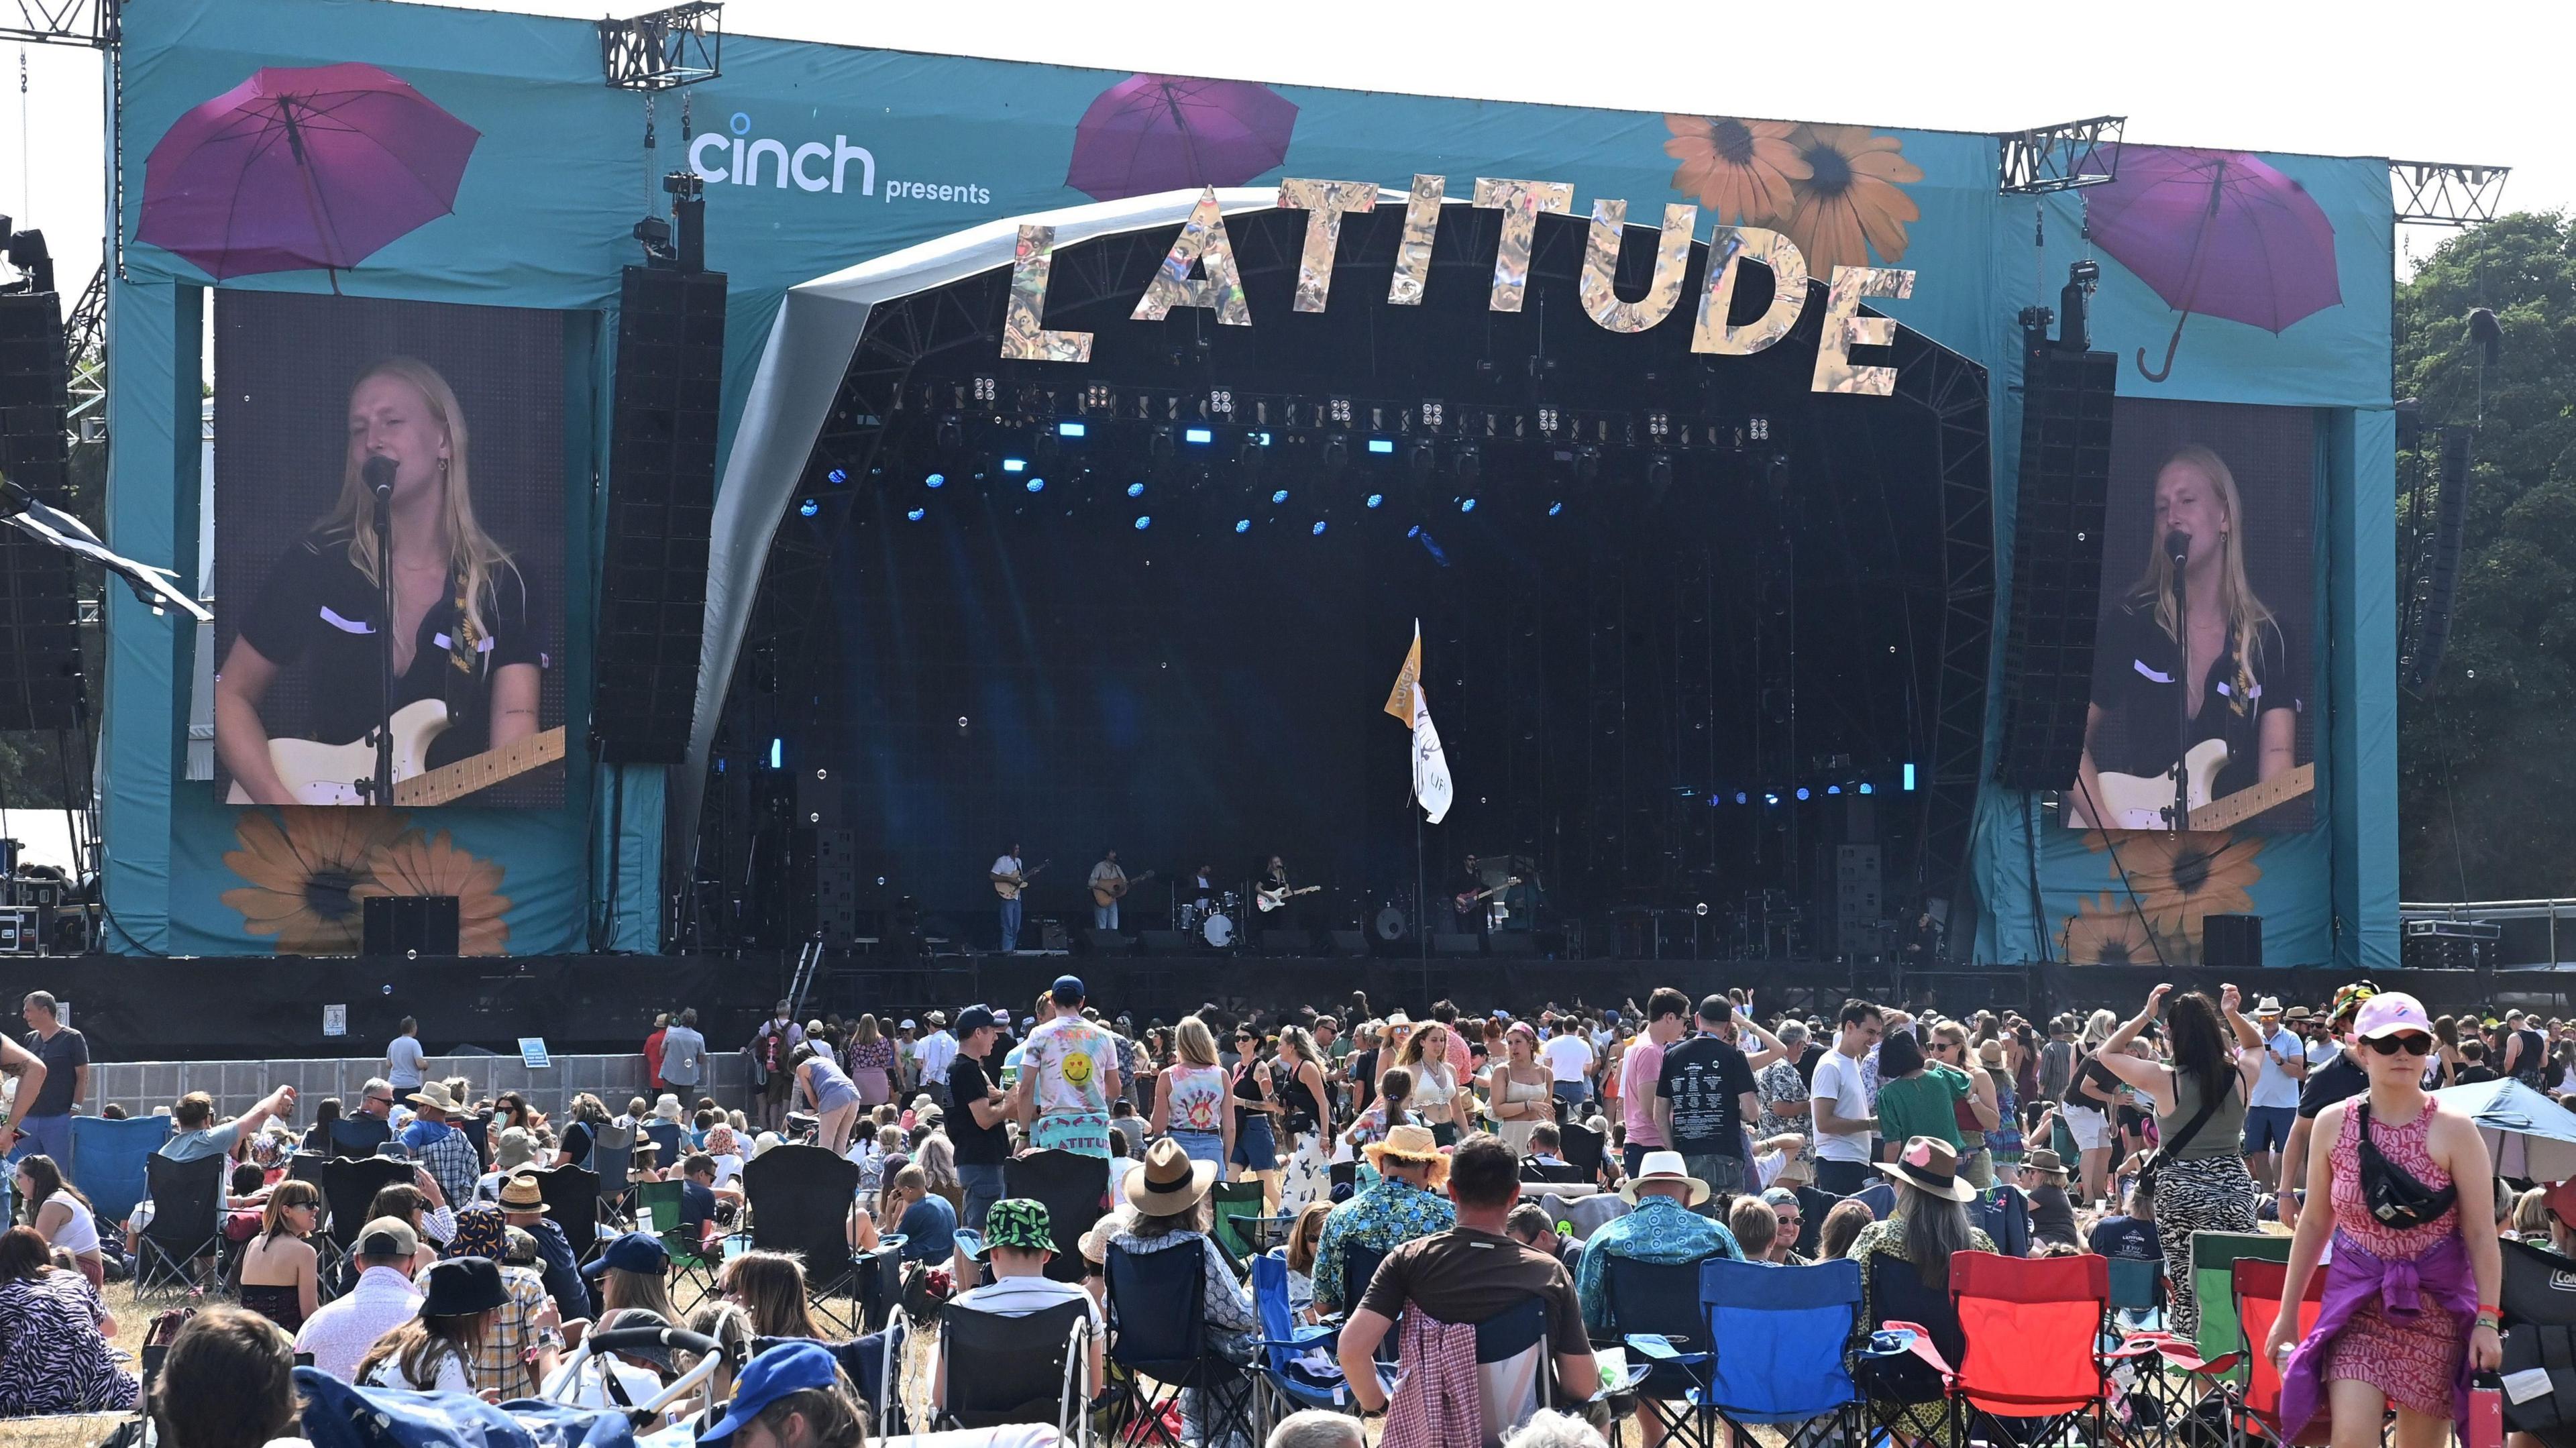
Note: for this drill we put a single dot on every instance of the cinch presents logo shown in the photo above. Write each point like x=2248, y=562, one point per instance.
x=720, y=157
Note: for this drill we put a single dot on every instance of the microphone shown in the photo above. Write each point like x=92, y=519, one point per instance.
x=379, y=475
x=2178, y=547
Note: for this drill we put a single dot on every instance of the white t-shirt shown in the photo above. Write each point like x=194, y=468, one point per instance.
x=1567, y=1057
x=2275, y=1086
x=1007, y=865
x=2322, y=1053
x=79, y=1236
x=1837, y=1083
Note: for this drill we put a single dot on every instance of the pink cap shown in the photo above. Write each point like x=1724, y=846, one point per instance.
x=2388, y=1013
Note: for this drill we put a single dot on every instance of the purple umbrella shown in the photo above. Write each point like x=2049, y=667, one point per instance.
x=302, y=167
x=2220, y=233
x=1152, y=133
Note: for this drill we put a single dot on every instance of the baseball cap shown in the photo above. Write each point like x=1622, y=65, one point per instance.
x=1067, y=989
x=388, y=1237
x=1018, y=1222
x=793, y=1367
x=2388, y=1013
x=907, y=1024
x=973, y=1019
x=633, y=1252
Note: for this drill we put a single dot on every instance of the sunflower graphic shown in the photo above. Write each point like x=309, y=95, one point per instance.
x=2105, y=931
x=1851, y=199
x=2180, y=878
x=301, y=867
x=422, y=864
x=1742, y=170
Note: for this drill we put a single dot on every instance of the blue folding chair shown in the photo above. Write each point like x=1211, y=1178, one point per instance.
x=1159, y=1338
x=1287, y=1383
x=108, y=1161
x=1777, y=1337
x=1656, y=1307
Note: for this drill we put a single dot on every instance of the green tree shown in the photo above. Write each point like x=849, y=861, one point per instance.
x=2487, y=752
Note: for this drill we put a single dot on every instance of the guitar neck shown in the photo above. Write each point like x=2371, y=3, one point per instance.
x=2254, y=799
x=455, y=781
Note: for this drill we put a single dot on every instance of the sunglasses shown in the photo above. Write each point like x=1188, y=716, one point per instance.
x=2413, y=1043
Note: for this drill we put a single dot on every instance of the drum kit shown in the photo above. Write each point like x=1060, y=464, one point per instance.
x=1212, y=922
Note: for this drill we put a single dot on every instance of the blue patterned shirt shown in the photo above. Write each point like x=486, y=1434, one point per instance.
x=1661, y=1231
x=1383, y=1218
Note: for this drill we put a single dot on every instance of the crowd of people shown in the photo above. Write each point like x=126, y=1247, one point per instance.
x=1700, y=1130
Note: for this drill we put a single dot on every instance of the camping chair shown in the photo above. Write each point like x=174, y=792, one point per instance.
x=572, y=1202
x=657, y=1209
x=876, y=1280
x=1583, y=1150
x=1030, y=1369
x=2214, y=1256
x=2256, y=1289
x=1585, y=1213
x=1904, y=1393
x=2033, y=1331
x=1075, y=1191
x=1288, y=1381
x=1555, y=1172
x=2540, y=1332
x=478, y=1130
x=1359, y=1268
x=187, y=1222
x=669, y=1136
x=1231, y=1205
x=1777, y=1336
x=612, y=1155
x=349, y=1187
x=800, y=1198
x=1656, y=1308
x=1158, y=1336
x=109, y=1159
x=359, y=1135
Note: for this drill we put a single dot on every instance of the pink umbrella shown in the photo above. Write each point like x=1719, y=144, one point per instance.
x=1152, y=133
x=2221, y=233
x=302, y=167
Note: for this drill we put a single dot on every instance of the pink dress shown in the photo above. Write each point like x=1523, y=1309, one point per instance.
x=2413, y=1360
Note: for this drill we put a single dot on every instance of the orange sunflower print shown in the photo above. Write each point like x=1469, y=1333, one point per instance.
x=1742, y=170
x=301, y=866
x=2105, y=931
x=421, y=864
x=1850, y=201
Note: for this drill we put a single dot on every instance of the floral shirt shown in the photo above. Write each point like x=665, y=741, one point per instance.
x=1661, y=1231
x=1383, y=1218
x=1784, y=1104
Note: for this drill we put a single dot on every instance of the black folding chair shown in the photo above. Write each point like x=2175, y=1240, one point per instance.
x=800, y=1199
x=1075, y=1190
x=1029, y=1369
x=359, y=1135
x=572, y=1203
x=349, y=1187
x=478, y=1130
x=187, y=1223
x=1662, y=1328
x=1583, y=1149
x=1158, y=1337
x=612, y=1155
x=1553, y=1172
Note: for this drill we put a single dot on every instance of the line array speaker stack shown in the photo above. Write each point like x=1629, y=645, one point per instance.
x=2231, y=942
x=661, y=499
x=823, y=884
x=1859, y=904
x=2056, y=564
x=40, y=677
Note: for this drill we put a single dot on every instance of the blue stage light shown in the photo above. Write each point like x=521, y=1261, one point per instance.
x=1909, y=778
x=1413, y=532
x=1257, y=439
x=917, y=514
x=1864, y=788
x=809, y=507
x=1070, y=429
x=1555, y=508
x=837, y=477
x=1135, y=490
x=1279, y=496
x=1037, y=485
x=1833, y=789
x=1144, y=521
x=1802, y=791
x=1381, y=444
x=1243, y=525
x=1198, y=434
x=935, y=480
x=1376, y=498
x=1319, y=527
x=1739, y=796
x=1015, y=465
x=777, y=753
x=1466, y=505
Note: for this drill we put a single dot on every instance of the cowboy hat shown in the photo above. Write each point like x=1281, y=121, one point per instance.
x=1410, y=1144
x=1663, y=1166
x=433, y=1094
x=1929, y=1164
x=2044, y=1160
x=1798, y=1168
x=1167, y=1183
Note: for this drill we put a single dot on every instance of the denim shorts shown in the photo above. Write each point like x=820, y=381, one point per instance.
x=1206, y=1146
x=1255, y=1149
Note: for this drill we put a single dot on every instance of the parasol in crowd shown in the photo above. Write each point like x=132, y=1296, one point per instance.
x=2531, y=1137
x=2220, y=233
x=302, y=167
x=1152, y=133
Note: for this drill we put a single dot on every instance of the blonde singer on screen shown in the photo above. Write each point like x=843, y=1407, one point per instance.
x=2241, y=682
x=466, y=630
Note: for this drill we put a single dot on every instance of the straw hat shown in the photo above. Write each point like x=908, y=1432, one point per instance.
x=1990, y=1053
x=1663, y=1166
x=1167, y=1183
x=1410, y=1144
x=1929, y=1164
x=433, y=1094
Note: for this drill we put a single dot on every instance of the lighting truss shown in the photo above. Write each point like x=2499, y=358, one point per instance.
x=660, y=50
x=2063, y=157
x=2439, y=193
x=85, y=353
x=94, y=23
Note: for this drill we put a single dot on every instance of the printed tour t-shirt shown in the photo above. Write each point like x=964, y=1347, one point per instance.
x=1071, y=1059
x=1705, y=1079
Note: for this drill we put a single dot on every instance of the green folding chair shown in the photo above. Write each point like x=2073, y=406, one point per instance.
x=658, y=1203
x=1237, y=1205
x=2214, y=1256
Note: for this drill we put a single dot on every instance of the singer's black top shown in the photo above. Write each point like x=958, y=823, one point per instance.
x=317, y=610
x=2137, y=670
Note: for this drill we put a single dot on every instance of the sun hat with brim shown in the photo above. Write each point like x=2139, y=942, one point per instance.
x=2268, y=1006
x=1167, y=1183
x=433, y=1094
x=2298, y=1013
x=633, y=1252
x=480, y=1232
x=462, y=1287
x=790, y=1367
x=1663, y=1166
x=656, y=1353
x=2391, y=1013
x=1990, y=1053
x=2044, y=1160
x=1799, y=1169
x=1929, y=1164
x=521, y=1192
x=1018, y=1222
x=667, y=1109
x=1413, y=1144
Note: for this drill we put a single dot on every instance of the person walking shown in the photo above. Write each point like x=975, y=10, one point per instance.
x=684, y=1055
x=405, y=1061
x=45, y=1117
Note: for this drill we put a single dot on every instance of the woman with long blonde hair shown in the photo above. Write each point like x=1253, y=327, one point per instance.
x=464, y=625
x=1189, y=1096
x=2240, y=687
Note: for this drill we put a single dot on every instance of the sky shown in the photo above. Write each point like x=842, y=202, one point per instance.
x=2356, y=77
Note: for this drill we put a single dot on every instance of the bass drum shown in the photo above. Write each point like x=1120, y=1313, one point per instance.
x=1219, y=930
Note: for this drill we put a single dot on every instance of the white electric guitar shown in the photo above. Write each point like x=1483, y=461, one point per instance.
x=333, y=773
x=2141, y=801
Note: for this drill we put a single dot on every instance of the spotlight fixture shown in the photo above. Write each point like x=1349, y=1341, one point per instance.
x=1467, y=504
x=1739, y=796
x=1466, y=462
x=1221, y=402
x=837, y=477
x=1434, y=413
x=1037, y=485
x=809, y=508
x=1758, y=428
x=1659, y=425
x=1548, y=419
x=1423, y=459
x=1135, y=490
x=935, y=481
x=1555, y=508
x=1243, y=525
x=1144, y=521
x=1374, y=499
x=1279, y=497
x=917, y=514
x=986, y=389
x=1096, y=397
x=1339, y=410
x=1802, y=791
x=1319, y=527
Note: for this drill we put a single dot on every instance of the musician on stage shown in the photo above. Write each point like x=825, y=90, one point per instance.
x=2242, y=686
x=1466, y=885
x=1201, y=888
x=1107, y=876
x=466, y=627
x=1008, y=871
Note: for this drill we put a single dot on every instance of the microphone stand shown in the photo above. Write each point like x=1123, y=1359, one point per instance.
x=2178, y=547
x=383, y=785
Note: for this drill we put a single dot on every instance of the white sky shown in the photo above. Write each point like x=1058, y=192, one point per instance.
x=2356, y=77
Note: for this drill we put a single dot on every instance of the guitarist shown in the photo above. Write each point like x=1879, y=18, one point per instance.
x=1107, y=879
x=1469, y=882
x=2238, y=680
x=1008, y=871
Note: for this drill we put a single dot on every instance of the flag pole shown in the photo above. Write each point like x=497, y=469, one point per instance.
x=1421, y=908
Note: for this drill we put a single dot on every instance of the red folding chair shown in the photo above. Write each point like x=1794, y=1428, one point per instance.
x=2257, y=1287
x=2032, y=1331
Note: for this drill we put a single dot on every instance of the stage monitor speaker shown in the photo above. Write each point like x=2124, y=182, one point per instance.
x=1511, y=942
x=1166, y=942
x=409, y=925
x=1053, y=936
x=2056, y=565
x=1108, y=942
x=661, y=500
x=2231, y=942
x=1348, y=942
x=1444, y=942
x=40, y=672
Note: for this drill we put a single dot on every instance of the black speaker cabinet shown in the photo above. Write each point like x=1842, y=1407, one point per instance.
x=1108, y=942
x=410, y=925
x=2231, y=942
x=1445, y=943
x=1167, y=942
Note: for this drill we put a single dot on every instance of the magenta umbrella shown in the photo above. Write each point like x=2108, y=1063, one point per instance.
x=302, y=167
x=2220, y=233
x=1152, y=133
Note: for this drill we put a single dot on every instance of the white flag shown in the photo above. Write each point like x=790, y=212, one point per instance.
x=1430, y=767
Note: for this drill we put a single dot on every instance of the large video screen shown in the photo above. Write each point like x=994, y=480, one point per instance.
x=2229, y=490
x=355, y=429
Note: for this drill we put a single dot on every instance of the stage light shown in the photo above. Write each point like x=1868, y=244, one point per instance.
x=1413, y=532
x=1555, y=508
x=1466, y=505
x=1198, y=435
x=1037, y=485
x=1243, y=525
x=1097, y=397
x=1135, y=490
x=777, y=753
x=1423, y=459
x=1279, y=496
x=916, y=515
x=1833, y=789
x=1659, y=471
x=1015, y=465
x=1319, y=527
x=935, y=480
x=1257, y=439
x=986, y=390
x=1434, y=414
x=809, y=507
x=1865, y=789
x=1070, y=429
x=1340, y=409
x=1467, y=463
x=1375, y=499
x=1382, y=445
x=1337, y=452
x=836, y=477
x=1739, y=796
x=1144, y=521
x=1758, y=428
x=1770, y=799
x=1802, y=791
